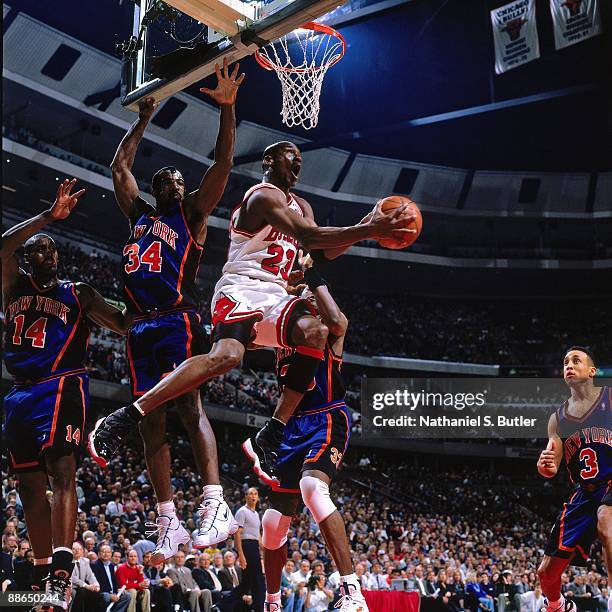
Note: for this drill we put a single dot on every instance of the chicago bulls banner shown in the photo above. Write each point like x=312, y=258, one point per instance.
x=574, y=21
x=515, y=34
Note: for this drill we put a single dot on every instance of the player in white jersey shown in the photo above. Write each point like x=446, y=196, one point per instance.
x=251, y=304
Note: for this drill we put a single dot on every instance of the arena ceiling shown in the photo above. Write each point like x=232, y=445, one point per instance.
x=416, y=59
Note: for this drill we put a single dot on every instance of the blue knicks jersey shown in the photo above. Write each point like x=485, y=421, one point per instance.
x=46, y=332
x=160, y=263
x=327, y=387
x=587, y=442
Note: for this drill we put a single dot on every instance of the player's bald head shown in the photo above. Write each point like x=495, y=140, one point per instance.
x=36, y=240
x=273, y=151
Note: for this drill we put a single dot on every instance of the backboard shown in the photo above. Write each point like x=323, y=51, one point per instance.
x=177, y=43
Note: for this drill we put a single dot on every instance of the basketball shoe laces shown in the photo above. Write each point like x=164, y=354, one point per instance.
x=160, y=530
x=348, y=597
x=208, y=511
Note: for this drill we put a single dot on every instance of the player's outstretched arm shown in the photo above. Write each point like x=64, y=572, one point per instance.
x=550, y=458
x=331, y=314
x=126, y=189
x=14, y=238
x=204, y=200
x=101, y=312
x=270, y=206
x=327, y=254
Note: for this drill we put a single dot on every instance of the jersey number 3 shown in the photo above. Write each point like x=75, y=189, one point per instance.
x=591, y=467
x=36, y=332
x=151, y=257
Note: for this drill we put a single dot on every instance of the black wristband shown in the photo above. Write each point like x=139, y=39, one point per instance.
x=313, y=278
x=318, y=256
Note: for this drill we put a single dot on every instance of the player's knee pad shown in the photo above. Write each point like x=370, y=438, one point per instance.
x=315, y=494
x=275, y=529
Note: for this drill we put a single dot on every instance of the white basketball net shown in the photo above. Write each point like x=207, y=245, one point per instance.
x=301, y=59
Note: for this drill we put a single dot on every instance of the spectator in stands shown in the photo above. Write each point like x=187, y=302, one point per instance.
x=377, y=580
x=23, y=565
x=130, y=575
x=207, y=578
x=318, y=596
x=198, y=600
x=160, y=585
x=104, y=571
x=532, y=600
x=85, y=586
x=287, y=587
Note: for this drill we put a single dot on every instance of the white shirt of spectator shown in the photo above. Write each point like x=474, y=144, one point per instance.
x=529, y=602
x=319, y=601
x=376, y=582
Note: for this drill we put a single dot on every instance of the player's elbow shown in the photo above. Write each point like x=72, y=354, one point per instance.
x=337, y=324
x=307, y=237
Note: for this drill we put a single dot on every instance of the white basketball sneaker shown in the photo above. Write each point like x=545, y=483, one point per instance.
x=170, y=534
x=217, y=523
x=272, y=606
x=352, y=599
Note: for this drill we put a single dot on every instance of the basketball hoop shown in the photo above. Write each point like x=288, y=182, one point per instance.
x=300, y=60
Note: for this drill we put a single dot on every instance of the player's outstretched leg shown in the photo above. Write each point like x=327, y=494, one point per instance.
x=217, y=522
x=314, y=486
x=549, y=573
x=275, y=527
x=604, y=532
x=308, y=336
x=110, y=432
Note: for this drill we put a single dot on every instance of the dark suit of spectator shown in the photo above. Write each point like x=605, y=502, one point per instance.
x=8, y=572
x=207, y=579
x=182, y=577
x=161, y=596
x=105, y=573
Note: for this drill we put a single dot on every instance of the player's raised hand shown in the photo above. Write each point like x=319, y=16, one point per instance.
x=227, y=84
x=391, y=225
x=304, y=260
x=65, y=201
x=547, y=465
x=146, y=108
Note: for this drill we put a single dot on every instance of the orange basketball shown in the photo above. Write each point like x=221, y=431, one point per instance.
x=393, y=202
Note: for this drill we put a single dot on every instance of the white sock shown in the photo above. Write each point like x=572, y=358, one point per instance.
x=351, y=579
x=273, y=597
x=43, y=561
x=166, y=508
x=137, y=406
x=214, y=491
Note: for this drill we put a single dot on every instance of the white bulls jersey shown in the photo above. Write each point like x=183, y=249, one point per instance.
x=266, y=255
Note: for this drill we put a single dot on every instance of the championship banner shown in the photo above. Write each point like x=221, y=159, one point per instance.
x=574, y=21
x=515, y=35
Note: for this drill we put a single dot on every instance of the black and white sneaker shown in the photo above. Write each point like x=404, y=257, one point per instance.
x=108, y=434
x=58, y=591
x=262, y=450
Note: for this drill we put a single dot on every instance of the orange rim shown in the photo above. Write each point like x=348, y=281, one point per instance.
x=265, y=63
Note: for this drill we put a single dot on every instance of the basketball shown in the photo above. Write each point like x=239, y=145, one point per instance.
x=391, y=203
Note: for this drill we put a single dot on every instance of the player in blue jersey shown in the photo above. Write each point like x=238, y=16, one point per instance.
x=47, y=330
x=314, y=442
x=580, y=432
x=161, y=260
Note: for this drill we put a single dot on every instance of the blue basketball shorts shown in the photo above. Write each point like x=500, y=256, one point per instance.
x=316, y=440
x=576, y=526
x=45, y=416
x=155, y=347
